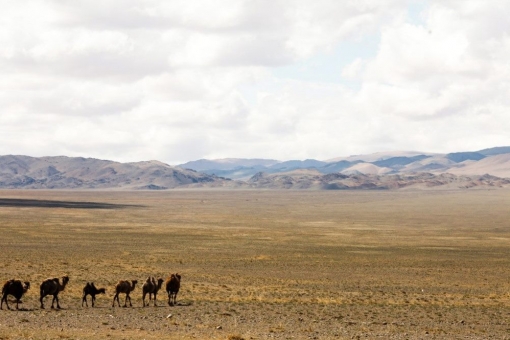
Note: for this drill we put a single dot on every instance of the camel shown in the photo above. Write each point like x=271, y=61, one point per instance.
x=53, y=287
x=151, y=287
x=15, y=288
x=90, y=289
x=173, y=283
x=126, y=288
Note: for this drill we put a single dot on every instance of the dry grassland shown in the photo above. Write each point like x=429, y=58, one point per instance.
x=264, y=264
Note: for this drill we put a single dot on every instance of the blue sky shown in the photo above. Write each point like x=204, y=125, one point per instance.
x=328, y=65
x=182, y=80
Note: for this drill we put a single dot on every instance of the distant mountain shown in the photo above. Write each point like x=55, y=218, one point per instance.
x=379, y=156
x=296, y=164
x=458, y=157
x=227, y=164
x=498, y=165
x=23, y=172
x=396, y=162
x=339, y=166
x=399, y=161
x=495, y=151
x=488, y=168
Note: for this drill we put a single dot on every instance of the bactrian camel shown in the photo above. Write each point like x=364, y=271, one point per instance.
x=173, y=283
x=124, y=287
x=15, y=288
x=53, y=287
x=90, y=289
x=151, y=287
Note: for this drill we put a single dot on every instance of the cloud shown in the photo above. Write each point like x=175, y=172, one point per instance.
x=179, y=80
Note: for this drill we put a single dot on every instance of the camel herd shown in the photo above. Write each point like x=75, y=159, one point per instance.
x=17, y=289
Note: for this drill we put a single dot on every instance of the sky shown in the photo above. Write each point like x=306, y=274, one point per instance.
x=175, y=81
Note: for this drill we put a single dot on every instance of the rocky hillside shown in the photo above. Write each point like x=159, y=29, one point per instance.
x=315, y=180
x=88, y=173
x=453, y=171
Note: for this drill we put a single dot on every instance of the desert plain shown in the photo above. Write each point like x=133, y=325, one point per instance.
x=262, y=264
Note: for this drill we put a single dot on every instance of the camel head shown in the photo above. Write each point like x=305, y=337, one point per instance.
x=65, y=280
x=26, y=286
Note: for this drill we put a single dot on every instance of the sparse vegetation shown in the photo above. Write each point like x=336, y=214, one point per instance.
x=267, y=264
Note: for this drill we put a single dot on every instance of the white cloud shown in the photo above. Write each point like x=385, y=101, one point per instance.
x=179, y=80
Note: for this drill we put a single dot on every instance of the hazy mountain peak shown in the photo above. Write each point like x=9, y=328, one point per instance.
x=380, y=156
x=487, y=168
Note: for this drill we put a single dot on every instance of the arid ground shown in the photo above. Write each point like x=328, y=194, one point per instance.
x=263, y=264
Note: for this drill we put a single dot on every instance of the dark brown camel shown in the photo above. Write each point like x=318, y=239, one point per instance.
x=126, y=288
x=173, y=283
x=90, y=289
x=151, y=287
x=53, y=287
x=15, y=288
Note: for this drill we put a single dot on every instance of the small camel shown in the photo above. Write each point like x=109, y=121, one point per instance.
x=53, y=287
x=126, y=288
x=90, y=289
x=151, y=287
x=15, y=288
x=173, y=283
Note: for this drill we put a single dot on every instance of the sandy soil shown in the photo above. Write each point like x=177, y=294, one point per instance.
x=264, y=265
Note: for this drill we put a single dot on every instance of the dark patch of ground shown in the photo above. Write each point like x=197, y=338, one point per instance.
x=10, y=202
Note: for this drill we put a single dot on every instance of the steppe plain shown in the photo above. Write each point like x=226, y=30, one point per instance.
x=263, y=264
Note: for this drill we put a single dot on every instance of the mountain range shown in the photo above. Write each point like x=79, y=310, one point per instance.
x=493, y=161
x=487, y=168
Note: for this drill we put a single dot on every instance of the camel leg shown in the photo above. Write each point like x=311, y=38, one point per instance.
x=116, y=297
x=155, y=300
x=93, y=299
x=55, y=298
x=143, y=298
x=84, y=299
